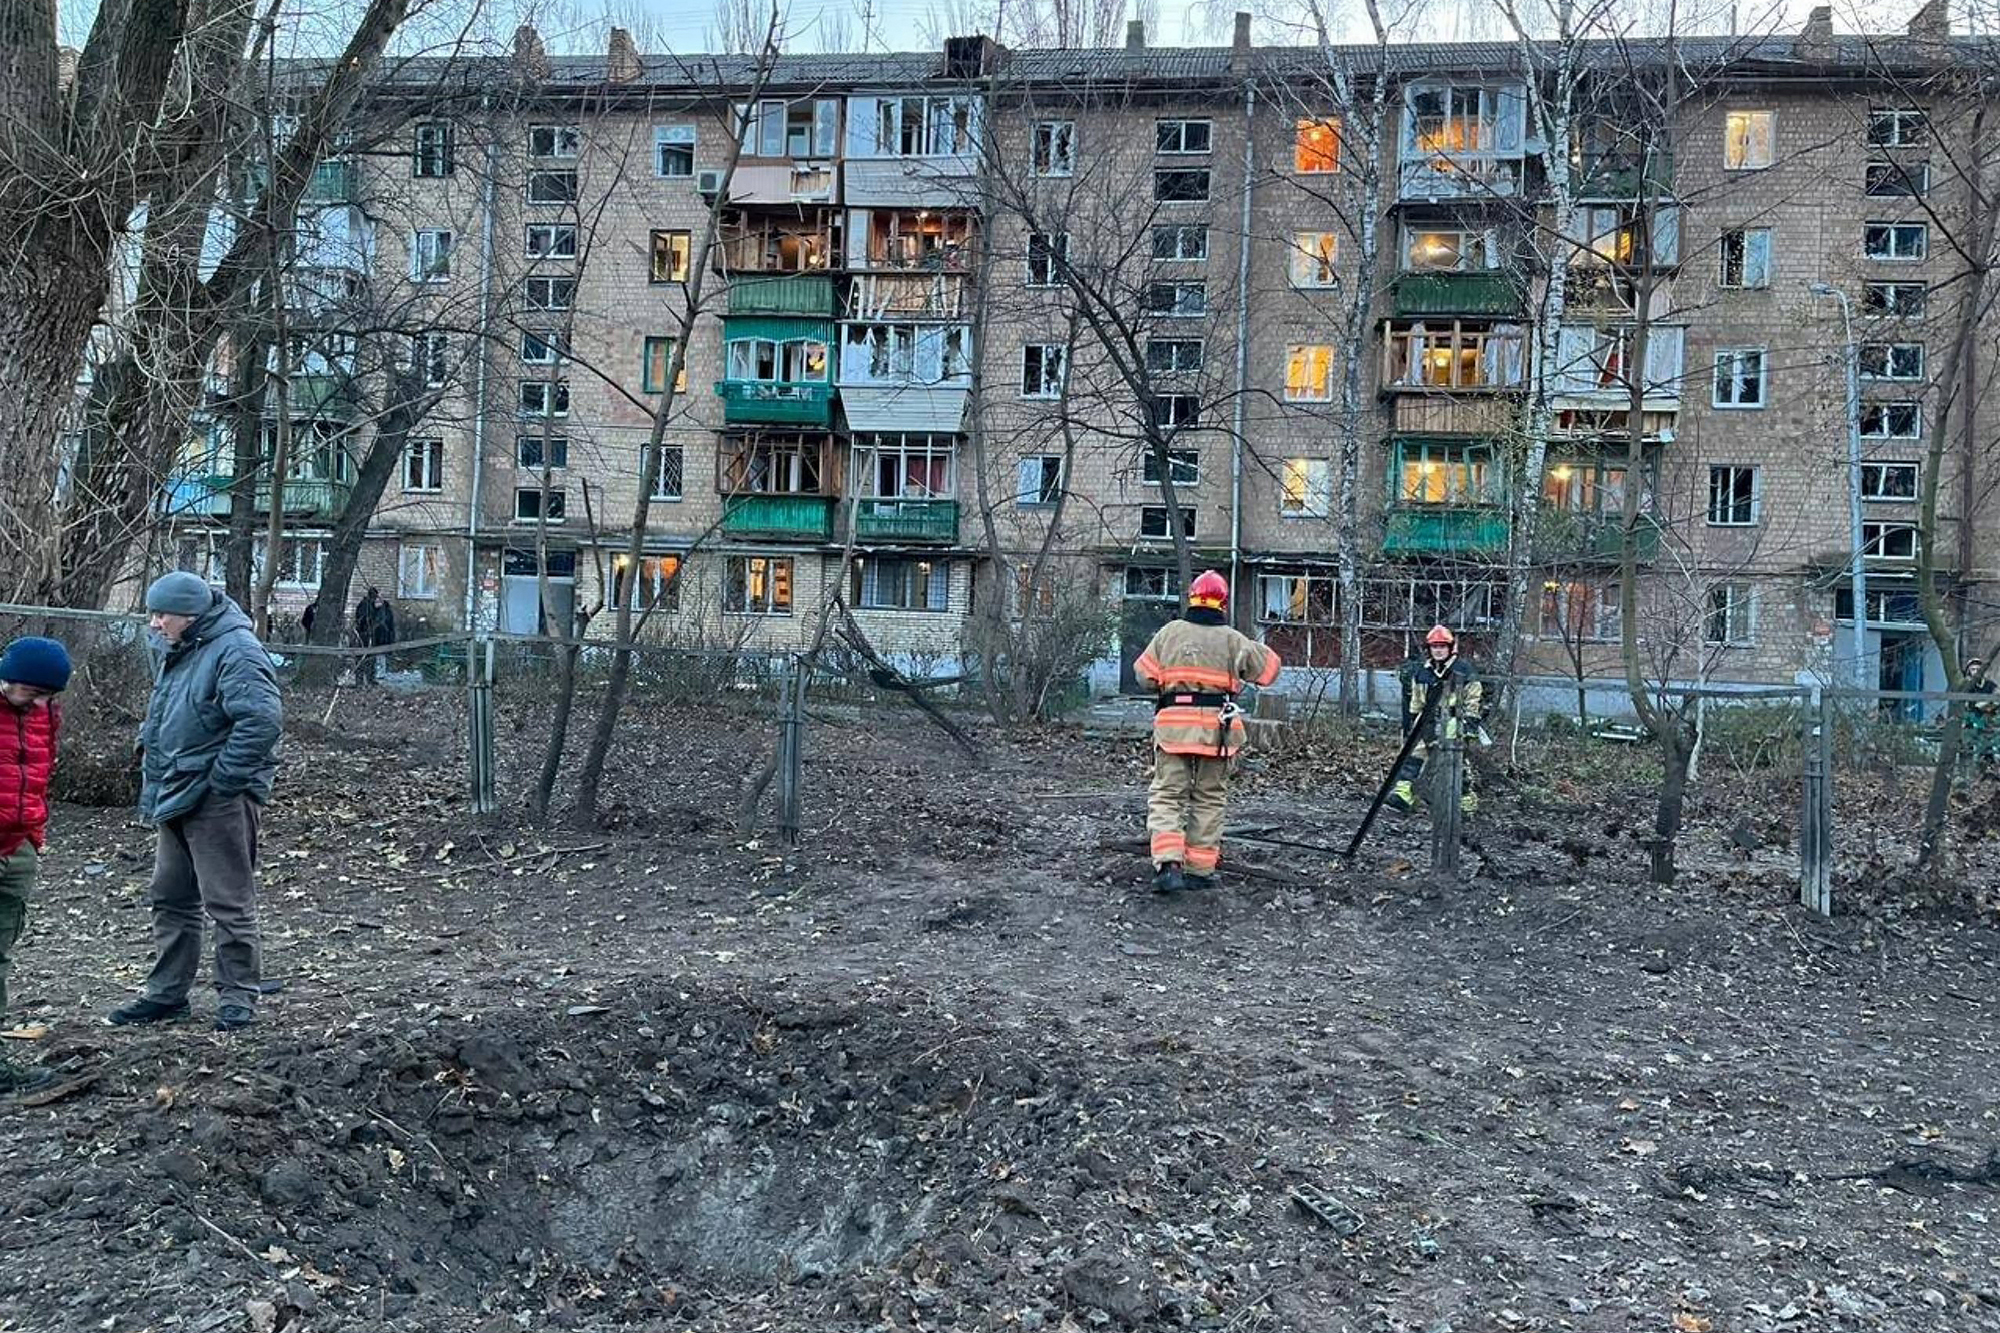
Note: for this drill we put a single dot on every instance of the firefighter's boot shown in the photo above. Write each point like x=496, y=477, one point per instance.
x=1196, y=883
x=1403, y=796
x=1168, y=878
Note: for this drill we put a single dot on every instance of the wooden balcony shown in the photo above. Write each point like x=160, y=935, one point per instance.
x=1444, y=530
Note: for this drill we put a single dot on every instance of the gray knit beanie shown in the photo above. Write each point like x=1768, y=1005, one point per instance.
x=179, y=594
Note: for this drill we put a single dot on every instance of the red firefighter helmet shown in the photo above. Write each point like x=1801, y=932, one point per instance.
x=1209, y=589
x=1440, y=635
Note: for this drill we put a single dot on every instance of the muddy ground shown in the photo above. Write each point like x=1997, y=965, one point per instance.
x=950, y=1066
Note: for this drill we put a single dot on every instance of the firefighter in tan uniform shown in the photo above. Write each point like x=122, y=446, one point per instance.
x=1197, y=664
x=1459, y=711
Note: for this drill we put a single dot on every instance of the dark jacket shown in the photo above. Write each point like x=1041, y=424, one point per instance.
x=27, y=758
x=385, y=625
x=213, y=723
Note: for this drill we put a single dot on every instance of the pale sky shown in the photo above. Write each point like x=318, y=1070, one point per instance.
x=683, y=26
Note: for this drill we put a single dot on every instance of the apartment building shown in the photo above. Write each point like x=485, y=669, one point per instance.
x=954, y=296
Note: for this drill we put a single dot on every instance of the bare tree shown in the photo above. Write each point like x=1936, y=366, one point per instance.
x=78, y=164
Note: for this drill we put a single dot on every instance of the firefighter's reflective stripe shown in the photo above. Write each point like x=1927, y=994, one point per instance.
x=1203, y=859
x=1271, y=668
x=1186, y=677
x=1194, y=731
x=1169, y=846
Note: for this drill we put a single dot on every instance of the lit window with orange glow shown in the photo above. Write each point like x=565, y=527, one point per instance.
x=1316, y=149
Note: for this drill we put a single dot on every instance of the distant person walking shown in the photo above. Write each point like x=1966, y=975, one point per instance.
x=367, y=625
x=32, y=673
x=209, y=754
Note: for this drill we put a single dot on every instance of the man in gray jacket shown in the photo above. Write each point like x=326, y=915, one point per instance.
x=210, y=751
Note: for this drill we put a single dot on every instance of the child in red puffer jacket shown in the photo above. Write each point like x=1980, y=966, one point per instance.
x=32, y=673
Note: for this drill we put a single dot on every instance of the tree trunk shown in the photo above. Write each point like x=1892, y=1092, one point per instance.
x=48, y=305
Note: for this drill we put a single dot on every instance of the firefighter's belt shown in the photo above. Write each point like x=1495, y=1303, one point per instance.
x=1191, y=699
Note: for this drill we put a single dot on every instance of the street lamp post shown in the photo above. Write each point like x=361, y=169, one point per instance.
x=1857, y=562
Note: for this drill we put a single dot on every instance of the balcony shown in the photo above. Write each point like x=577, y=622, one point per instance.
x=1622, y=176
x=334, y=182
x=800, y=294
x=208, y=497
x=1479, y=292
x=906, y=521
x=805, y=518
x=775, y=403
x=323, y=395
x=1428, y=530
x=1565, y=538
x=195, y=497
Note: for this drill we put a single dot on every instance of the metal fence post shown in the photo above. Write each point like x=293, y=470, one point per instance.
x=479, y=714
x=791, y=744
x=1447, y=789
x=1816, y=818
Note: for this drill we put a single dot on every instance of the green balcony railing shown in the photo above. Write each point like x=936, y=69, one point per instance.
x=776, y=403
x=793, y=294
x=308, y=498
x=779, y=517
x=1427, y=530
x=1480, y=292
x=906, y=520
x=1593, y=539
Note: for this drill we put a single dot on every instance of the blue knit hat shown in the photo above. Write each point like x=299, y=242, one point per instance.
x=42, y=663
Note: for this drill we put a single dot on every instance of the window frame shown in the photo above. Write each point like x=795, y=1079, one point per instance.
x=1730, y=145
x=1045, y=138
x=440, y=242
x=934, y=594
x=669, y=136
x=1183, y=464
x=551, y=341
x=648, y=382
x=439, y=154
x=678, y=249
x=555, y=396
x=555, y=447
x=1915, y=175
x=1298, y=389
x=1890, y=231
x=545, y=514
x=564, y=139
x=1315, y=269
x=1885, y=407
x=1043, y=357
x=1887, y=374
x=535, y=194
x=423, y=461
x=554, y=233
x=1164, y=534
x=1737, y=378
x=551, y=283
x=1881, y=470
x=1179, y=232
x=431, y=560
x=1303, y=509
x=430, y=357
x=1054, y=254
x=1742, y=259
x=1170, y=364
x=1471, y=461
x=1898, y=117
x=1723, y=516
x=1182, y=125
x=1181, y=289
x=1876, y=532
x=1049, y=468
x=1893, y=294
x=737, y=599
x=1316, y=160
x=1202, y=177
x=1733, y=635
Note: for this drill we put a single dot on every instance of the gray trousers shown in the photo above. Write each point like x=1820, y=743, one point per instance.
x=206, y=860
